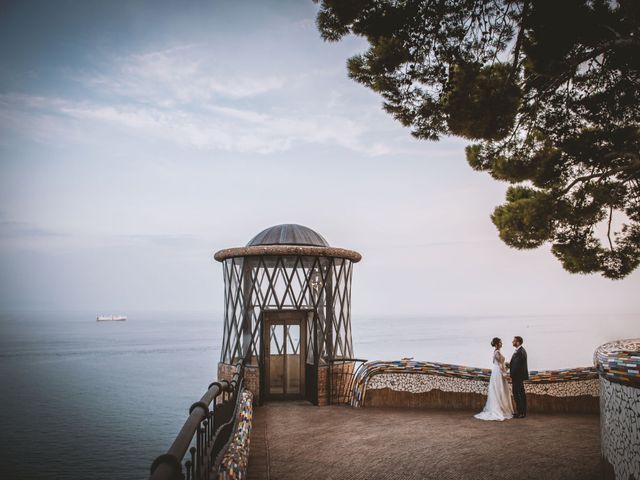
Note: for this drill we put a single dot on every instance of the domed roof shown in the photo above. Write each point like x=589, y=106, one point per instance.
x=288, y=234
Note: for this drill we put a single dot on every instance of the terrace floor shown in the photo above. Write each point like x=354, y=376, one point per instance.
x=296, y=440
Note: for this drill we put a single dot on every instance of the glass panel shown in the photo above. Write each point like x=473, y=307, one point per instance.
x=293, y=358
x=310, y=346
x=276, y=360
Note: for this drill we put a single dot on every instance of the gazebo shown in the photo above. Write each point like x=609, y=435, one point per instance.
x=287, y=297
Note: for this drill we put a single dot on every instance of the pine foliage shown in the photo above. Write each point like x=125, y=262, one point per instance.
x=549, y=94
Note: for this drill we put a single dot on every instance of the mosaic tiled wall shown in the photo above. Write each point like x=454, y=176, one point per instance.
x=618, y=364
x=619, y=361
x=418, y=377
x=251, y=376
x=235, y=461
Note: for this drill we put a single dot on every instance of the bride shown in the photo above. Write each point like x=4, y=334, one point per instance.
x=498, y=406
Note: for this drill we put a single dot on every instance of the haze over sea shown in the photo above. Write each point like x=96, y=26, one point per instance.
x=111, y=396
x=138, y=137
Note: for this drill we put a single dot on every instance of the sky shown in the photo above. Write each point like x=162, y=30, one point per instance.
x=138, y=138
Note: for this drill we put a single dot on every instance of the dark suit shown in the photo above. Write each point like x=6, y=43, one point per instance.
x=519, y=373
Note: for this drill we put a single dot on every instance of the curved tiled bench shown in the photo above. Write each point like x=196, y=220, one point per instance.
x=618, y=364
x=235, y=460
x=408, y=383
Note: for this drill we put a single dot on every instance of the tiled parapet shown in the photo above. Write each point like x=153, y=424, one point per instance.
x=618, y=365
x=420, y=377
x=235, y=460
x=619, y=361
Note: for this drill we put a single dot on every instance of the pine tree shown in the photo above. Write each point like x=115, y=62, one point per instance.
x=549, y=94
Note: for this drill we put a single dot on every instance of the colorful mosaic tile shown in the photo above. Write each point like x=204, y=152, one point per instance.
x=458, y=378
x=412, y=383
x=620, y=428
x=235, y=461
x=619, y=361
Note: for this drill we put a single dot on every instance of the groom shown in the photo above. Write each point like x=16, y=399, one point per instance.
x=519, y=373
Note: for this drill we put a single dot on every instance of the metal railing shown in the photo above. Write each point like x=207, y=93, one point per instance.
x=342, y=373
x=205, y=433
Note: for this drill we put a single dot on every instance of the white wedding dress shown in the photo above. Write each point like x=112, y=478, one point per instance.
x=499, y=405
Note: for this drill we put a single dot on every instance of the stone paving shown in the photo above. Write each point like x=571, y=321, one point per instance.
x=296, y=440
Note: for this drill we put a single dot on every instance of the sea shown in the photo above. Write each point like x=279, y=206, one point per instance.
x=84, y=399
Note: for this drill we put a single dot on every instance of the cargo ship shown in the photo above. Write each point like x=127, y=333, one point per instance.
x=111, y=318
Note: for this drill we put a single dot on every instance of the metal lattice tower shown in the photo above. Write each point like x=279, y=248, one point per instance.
x=288, y=267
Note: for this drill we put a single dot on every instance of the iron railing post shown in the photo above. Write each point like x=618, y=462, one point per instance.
x=208, y=419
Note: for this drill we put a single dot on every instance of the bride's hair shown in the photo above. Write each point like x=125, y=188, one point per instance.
x=495, y=342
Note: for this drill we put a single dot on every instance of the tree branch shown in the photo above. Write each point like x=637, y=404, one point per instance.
x=601, y=175
x=609, y=227
x=553, y=83
x=516, y=51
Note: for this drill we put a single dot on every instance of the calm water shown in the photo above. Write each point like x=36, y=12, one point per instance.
x=85, y=399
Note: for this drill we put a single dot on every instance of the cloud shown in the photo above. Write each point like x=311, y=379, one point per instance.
x=26, y=236
x=217, y=128
x=21, y=230
x=182, y=96
x=171, y=241
x=177, y=76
